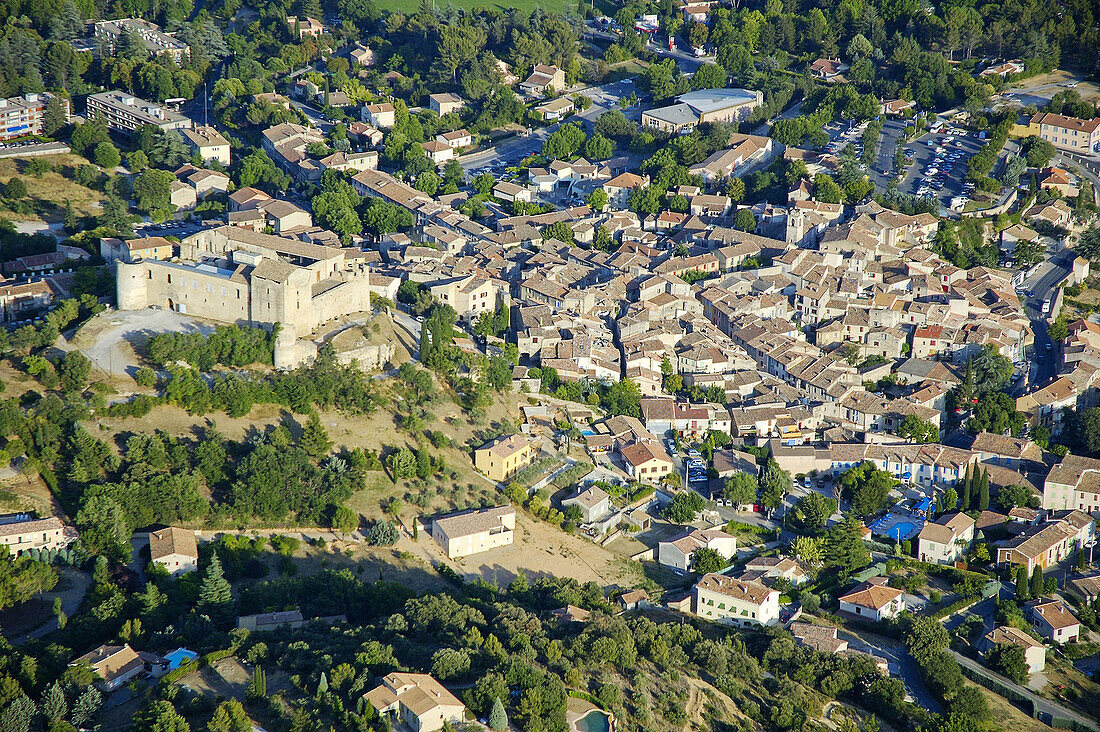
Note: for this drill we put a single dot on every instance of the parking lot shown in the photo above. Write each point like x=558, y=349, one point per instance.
x=882, y=172
x=842, y=133
x=938, y=165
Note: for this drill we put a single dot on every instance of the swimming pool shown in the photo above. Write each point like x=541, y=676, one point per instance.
x=902, y=530
x=594, y=721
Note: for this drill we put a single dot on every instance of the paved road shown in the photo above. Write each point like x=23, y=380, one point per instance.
x=409, y=323
x=1042, y=283
x=312, y=114
x=1042, y=706
x=790, y=113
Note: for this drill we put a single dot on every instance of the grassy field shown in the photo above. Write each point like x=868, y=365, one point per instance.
x=47, y=194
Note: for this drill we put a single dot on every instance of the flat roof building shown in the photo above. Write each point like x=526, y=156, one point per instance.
x=127, y=113
x=704, y=105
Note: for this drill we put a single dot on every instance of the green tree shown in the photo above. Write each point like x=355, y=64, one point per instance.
x=867, y=487
x=54, y=706
x=103, y=527
x=1036, y=588
x=15, y=189
x=744, y=220
x=685, y=506
x=1008, y=660
x=915, y=429
x=983, y=490
x=215, y=595
x=315, y=440
x=257, y=685
x=844, y=547
x=705, y=561
x=106, y=156
x=137, y=161
x=344, y=520
x=597, y=199
x=964, y=494
x=230, y=717
x=74, y=370
x=160, y=716
x=740, y=488
x=498, y=718
x=598, y=147
x=383, y=533
x=1021, y=583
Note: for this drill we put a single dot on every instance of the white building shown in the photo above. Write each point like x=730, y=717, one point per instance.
x=593, y=502
x=874, y=600
x=678, y=552
x=175, y=549
x=418, y=700
x=470, y=532
x=945, y=540
x=729, y=600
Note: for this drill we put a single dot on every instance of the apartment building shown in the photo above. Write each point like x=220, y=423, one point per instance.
x=1043, y=545
x=1074, y=483
x=1071, y=133
x=732, y=601
x=127, y=113
x=470, y=532
x=505, y=456
x=23, y=115
x=157, y=42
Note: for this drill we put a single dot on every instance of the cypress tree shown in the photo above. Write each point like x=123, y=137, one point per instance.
x=1021, y=583
x=1037, y=582
x=964, y=494
x=54, y=706
x=498, y=718
x=215, y=595
x=983, y=491
x=257, y=685
x=322, y=684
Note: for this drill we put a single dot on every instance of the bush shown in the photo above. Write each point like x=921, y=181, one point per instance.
x=383, y=533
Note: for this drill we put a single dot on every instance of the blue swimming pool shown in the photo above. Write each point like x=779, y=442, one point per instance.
x=902, y=530
x=594, y=721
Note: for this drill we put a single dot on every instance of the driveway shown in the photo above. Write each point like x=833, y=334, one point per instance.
x=901, y=664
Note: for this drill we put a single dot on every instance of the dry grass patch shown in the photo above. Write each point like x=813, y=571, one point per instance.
x=48, y=194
